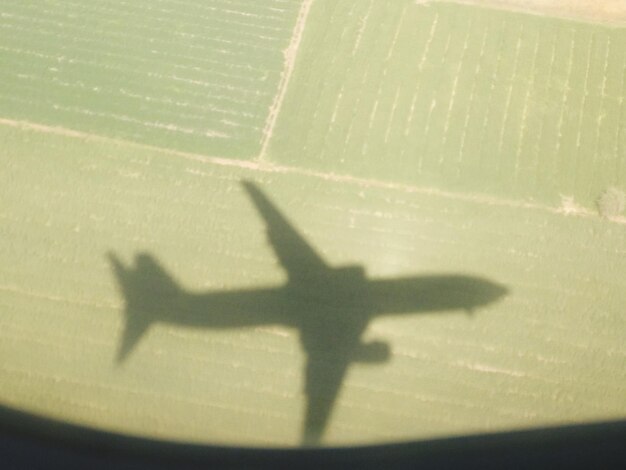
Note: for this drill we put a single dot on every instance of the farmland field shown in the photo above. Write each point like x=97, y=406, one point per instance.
x=408, y=138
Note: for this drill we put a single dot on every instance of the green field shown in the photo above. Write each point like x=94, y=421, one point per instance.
x=408, y=139
x=194, y=76
x=460, y=99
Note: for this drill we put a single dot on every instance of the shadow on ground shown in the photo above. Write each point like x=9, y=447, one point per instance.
x=329, y=307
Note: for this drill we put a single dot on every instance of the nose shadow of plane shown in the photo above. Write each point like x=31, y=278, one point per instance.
x=329, y=307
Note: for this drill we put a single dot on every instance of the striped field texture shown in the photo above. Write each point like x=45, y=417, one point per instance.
x=190, y=75
x=461, y=98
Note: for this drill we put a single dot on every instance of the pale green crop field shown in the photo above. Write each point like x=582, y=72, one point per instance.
x=194, y=76
x=408, y=139
x=460, y=98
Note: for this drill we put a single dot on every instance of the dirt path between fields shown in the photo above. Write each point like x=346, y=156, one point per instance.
x=597, y=11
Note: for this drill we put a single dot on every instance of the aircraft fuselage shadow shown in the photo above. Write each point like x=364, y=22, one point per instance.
x=329, y=307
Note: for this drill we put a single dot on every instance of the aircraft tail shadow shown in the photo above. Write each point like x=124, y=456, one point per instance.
x=147, y=290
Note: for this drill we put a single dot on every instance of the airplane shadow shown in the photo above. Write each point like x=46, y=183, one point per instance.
x=329, y=307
